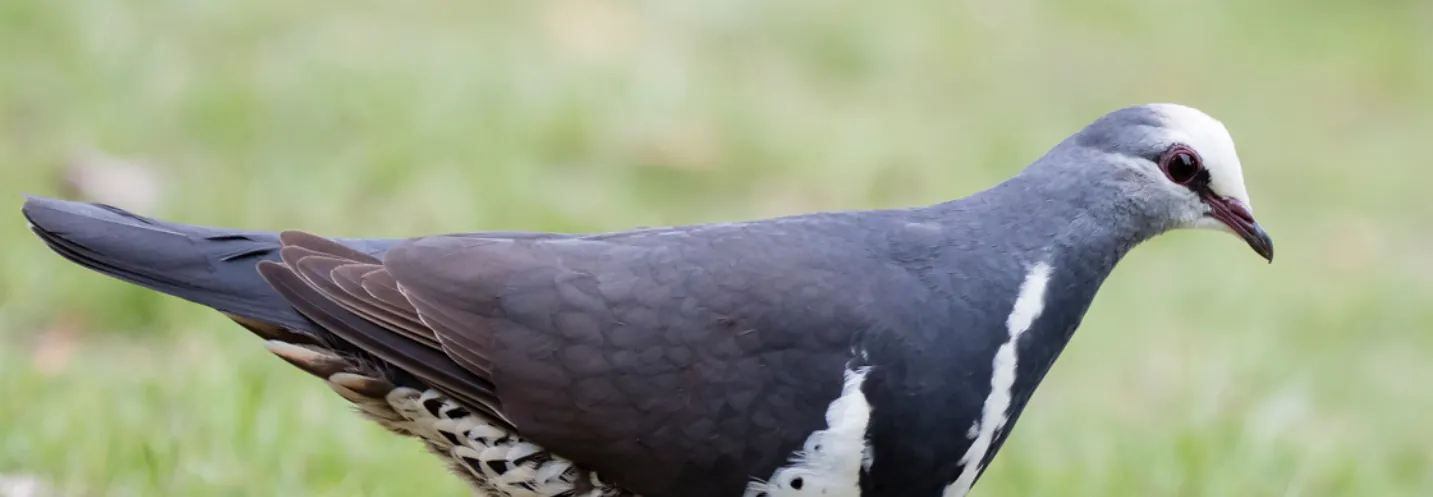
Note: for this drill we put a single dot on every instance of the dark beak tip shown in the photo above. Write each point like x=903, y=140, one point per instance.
x=1261, y=242
x=1240, y=220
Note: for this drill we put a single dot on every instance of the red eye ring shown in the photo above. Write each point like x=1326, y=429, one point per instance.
x=1181, y=164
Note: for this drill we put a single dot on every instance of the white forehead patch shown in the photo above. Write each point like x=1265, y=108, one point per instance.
x=1211, y=140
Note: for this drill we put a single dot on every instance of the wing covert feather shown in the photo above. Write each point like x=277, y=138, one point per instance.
x=642, y=363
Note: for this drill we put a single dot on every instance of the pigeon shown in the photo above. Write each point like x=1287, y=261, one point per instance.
x=881, y=352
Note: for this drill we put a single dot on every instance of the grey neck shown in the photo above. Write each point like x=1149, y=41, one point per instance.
x=1052, y=214
x=1060, y=214
x=1079, y=225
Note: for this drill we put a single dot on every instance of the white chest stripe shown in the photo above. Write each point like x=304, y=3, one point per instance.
x=1028, y=304
x=830, y=462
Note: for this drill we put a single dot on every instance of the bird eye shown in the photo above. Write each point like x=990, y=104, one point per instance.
x=1181, y=165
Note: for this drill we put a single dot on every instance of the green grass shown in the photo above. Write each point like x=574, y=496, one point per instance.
x=1200, y=371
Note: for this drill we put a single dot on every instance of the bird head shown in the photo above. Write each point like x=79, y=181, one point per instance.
x=1178, y=166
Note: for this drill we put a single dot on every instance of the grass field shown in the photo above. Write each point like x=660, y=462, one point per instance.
x=1200, y=371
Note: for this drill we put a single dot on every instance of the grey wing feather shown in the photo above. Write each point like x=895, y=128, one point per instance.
x=640, y=362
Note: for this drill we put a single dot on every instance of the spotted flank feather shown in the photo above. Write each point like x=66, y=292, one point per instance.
x=495, y=461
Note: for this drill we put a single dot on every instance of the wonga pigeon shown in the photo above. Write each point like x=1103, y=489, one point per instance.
x=878, y=353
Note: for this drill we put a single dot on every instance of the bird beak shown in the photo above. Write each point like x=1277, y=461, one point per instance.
x=1234, y=215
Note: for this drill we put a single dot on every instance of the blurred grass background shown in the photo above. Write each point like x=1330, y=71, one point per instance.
x=1199, y=372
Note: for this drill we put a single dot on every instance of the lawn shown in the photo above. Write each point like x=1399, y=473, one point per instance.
x=1199, y=372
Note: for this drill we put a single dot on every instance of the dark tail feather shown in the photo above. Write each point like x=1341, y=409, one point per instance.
x=211, y=267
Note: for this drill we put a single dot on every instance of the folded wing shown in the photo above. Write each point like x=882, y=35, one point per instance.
x=642, y=363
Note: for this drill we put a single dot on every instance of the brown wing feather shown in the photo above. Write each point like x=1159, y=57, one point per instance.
x=350, y=278
x=318, y=272
x=323, y=245
x=466, y=337
x=323, y=281
x=321, y=272
x=426, y=363
x=346, y=275
x=325, y=272
x=381, y=285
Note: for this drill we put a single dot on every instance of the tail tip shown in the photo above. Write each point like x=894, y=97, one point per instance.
x=40, y=211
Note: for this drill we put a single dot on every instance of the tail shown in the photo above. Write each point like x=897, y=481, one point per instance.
x=218, y=268
x=208, y=266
